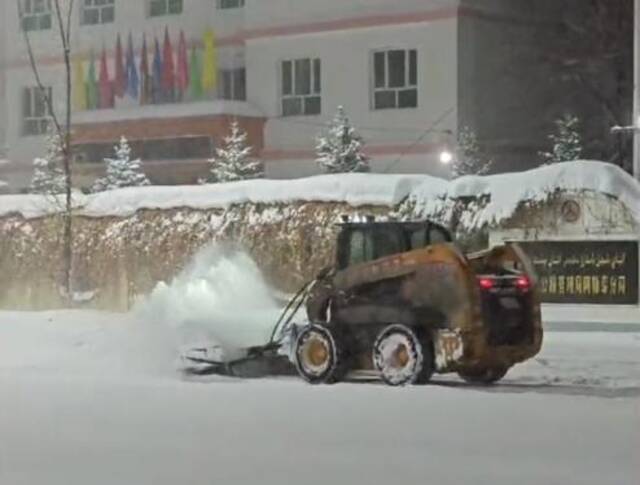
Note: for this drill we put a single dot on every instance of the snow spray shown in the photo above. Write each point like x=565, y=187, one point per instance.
x=219, y=299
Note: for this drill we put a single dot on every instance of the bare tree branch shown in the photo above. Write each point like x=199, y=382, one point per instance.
x=63, y=134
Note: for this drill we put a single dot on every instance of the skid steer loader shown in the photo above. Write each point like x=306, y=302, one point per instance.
x=401, y=302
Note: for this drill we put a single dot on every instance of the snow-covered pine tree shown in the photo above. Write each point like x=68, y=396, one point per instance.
x=121, y=171
x=48, y=175
x=567, y=142
x=233, y=162
x=339, y=149
x=470, y=159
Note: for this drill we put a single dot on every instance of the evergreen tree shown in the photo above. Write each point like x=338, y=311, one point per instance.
x=470, y=159
x=48, y=175
x=233, y=162
x=121, y=171
x=339, y=150
x=567, y=142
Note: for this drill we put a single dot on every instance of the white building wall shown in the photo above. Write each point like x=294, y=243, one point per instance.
x=342, y=33
x=346, y=58
x=131, y=16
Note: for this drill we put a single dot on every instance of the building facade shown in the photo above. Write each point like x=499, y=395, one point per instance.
x=279, y=67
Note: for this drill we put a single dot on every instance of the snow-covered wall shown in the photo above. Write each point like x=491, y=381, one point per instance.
x=126, y=241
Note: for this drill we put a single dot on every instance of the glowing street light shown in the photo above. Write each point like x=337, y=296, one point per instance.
x=446, y=157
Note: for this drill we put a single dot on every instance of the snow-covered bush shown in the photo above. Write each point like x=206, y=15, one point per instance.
x=48, y=175
x=233, y=162
x=567, y=142
x=470, y=159
x=121, y=171
x=339, y=150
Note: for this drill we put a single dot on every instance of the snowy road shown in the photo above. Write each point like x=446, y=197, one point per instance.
x=86, y=399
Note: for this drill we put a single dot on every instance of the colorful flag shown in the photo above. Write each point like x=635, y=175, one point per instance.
x=92, y=84
x=79, y=88
x=210, y=63
x=131, y=71
x=195, y=86
x=182, y=74
x=120, y=81
x=156, y=82
x=168, y=69
x=105, y=85
x=145, y=80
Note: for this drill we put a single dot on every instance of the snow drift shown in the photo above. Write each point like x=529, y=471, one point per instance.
x=502, y=194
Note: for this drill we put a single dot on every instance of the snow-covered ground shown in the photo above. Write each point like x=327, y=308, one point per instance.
x=98, y=398
x=94, y=398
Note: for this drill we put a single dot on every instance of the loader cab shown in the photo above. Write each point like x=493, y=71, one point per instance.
x=361, y=242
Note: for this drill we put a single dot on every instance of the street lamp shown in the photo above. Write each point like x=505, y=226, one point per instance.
x=446, y=157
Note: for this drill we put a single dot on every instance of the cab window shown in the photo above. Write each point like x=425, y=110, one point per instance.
x=419, y=239
x=389, y=241
x=438, y=235
x=360, y=247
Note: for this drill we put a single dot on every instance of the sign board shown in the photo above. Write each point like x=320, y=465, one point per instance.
x=591, y=272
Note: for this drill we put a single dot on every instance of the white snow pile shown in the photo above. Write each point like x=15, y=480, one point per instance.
x=353, y=189
x=31, y=206
x=497, y=196
x=505, y=192
x=221, y=299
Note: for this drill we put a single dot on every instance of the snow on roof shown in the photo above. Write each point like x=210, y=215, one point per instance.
x=506, y=192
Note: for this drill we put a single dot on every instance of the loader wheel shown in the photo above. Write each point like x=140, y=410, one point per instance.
x=402, y=357
x=319, y=356
x=487, y=376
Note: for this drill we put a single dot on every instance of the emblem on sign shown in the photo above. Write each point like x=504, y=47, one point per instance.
x=571, y=211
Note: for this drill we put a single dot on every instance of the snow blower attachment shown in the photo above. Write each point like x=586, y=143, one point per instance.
x=402, y=303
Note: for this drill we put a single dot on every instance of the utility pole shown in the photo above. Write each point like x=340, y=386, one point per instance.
x=636, y=91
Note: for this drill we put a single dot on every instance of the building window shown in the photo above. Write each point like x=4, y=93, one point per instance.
x=301, y=87
x=36, y=15
x=395, y=79
x=95, y=12
x=225, y=4
x=181, y=148
x=35, y=113
x=158, y=8
x=233, y=84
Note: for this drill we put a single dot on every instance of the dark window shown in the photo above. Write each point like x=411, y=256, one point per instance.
x=397, y=69
x=97, y=12
x=438, y=235
x=419, y=238
x=227, y=4
x=233, y=84
x=360, y=247
x=395, y=79
x=158, y=8
x=184, y=148
x=35, y=114
x=287, y=78
x=36, y=15
x=388, y=241
x=301, y=87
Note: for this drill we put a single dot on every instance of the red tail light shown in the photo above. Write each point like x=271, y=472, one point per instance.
x=523, y=283
x=486, y=283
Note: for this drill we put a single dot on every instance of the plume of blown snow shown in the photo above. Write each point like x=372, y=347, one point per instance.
x=219, y=299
